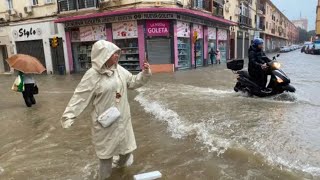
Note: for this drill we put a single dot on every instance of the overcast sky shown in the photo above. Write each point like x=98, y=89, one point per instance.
x=292, y=9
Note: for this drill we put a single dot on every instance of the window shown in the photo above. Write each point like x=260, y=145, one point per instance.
x=48, y=1
x=10, y=5
x=267, y=25
x=198, y=4
x=34, y=2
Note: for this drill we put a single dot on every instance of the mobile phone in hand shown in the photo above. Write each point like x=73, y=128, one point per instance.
x=146, y=59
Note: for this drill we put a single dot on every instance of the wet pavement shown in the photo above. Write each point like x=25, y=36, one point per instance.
x=189, y=125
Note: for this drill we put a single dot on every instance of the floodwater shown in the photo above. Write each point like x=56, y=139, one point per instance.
x=189, y=125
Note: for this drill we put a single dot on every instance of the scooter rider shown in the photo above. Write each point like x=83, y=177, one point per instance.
x=258, y=63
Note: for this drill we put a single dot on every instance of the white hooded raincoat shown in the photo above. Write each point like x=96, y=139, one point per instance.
x=98, y=88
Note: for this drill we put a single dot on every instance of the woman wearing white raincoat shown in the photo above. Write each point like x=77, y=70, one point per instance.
x=103, y=86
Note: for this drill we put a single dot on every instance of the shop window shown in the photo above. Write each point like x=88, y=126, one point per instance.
x=184, y=45
x=125, y=35
x=129, y=53
x=199, y=4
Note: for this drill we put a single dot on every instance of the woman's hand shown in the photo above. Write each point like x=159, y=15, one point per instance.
x=146, y=66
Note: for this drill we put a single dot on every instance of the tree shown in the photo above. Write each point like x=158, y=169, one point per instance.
x=305, y=36
x=311, y=34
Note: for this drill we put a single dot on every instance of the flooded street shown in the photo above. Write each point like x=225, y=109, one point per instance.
x=190, y=125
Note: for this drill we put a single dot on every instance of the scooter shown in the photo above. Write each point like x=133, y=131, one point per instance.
x=278, y=84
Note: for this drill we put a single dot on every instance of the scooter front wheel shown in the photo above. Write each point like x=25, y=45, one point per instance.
x=289, y=88
x=237, y=87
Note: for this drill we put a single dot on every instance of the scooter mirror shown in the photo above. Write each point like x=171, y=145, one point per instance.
x=273, y=58
x=278, y=55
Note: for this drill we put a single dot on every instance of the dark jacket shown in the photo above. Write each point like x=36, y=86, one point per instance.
x=212, y=53
x=256, y=58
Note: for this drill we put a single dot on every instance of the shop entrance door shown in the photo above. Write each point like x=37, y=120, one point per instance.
x=57, y=54
x=246, y=44
x=32, y=48
x=232, y=46
x=3, y=57
x=159, y=51
x=240, y=48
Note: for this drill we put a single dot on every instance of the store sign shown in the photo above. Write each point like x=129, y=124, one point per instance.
x=199, y=29
x=183, y=29
x=92, y=33
x=124, y=30
x=212, y=33
x=140, y=16
x=111, y=19
x=30, y=31
x=222, y=35
x=158, y=27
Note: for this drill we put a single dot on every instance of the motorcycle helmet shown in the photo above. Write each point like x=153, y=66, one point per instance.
x=258, y=41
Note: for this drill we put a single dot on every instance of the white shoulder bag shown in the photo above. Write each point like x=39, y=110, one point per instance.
x=109, y=116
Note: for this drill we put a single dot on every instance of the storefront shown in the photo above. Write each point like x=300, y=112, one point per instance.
x=199, y=44
x=212, y=43
x=34, y=39
x=165, y=36
x=125, y=36
x=223, y=44
x=184, y=51
x=82, y=39
x=159, y=44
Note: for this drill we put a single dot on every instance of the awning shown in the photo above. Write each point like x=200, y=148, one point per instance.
x=182, y=11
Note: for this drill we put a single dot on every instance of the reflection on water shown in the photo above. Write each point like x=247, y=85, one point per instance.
x=188, y=125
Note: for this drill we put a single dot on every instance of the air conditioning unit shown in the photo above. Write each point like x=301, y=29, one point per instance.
x=49, y=1
x=28, y=9
x=12, y=12
x=179, y=2
x=7, y=17
x=237, y=11
x=227, y=7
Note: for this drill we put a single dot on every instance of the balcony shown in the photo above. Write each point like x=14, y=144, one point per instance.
x=213, y=6
x=261, y=9
x=75, y=5
x=202, y=5
x=245, y=21
x=217, y=9
x=262, y=26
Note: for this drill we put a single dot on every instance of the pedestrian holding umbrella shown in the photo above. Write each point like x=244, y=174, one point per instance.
x=26, y=66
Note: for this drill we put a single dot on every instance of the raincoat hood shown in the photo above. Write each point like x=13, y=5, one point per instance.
x=101, y=52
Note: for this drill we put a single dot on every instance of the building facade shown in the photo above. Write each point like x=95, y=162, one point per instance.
x=164, y=30
x=258, y=18
x=27, y=27
x=244, y=14
x=277, y=30
x=301, y=23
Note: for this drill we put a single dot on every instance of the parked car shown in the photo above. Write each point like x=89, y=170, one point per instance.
x=316, y=49
x=309, y=49
x=285, y=49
